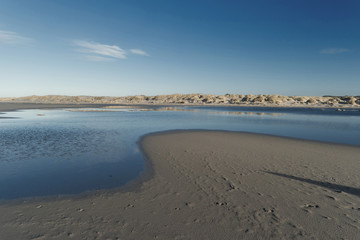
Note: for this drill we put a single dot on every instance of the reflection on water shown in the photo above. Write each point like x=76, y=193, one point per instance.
x=178, y=109
x=246, y=113
x=123, y=107
x=66, y=152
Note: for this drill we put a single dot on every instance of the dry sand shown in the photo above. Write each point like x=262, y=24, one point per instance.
x=211, y=185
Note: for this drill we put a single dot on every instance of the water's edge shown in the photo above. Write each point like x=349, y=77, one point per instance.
x=147, y=172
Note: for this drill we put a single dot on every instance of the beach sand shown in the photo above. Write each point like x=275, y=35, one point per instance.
x=210, y=185
x=6, y=107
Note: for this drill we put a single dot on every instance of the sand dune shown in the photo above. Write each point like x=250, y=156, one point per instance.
x=211, y=185
x=200, y=99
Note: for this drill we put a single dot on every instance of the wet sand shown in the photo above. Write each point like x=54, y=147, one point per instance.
x=210, y=185
x=7, y=107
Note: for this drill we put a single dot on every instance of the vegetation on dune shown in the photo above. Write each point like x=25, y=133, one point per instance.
x=238, y=99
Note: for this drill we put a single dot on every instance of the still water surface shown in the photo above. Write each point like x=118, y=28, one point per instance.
x=57, y=152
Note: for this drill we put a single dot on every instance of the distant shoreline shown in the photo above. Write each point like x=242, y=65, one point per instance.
x=189, y=100
x=16, y=106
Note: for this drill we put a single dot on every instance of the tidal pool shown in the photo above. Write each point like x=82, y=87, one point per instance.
x=63, y=151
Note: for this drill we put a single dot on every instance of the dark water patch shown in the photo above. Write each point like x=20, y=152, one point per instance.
x=60, y=143
x=44, y=179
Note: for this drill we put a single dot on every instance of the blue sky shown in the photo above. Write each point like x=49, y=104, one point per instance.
x=117, y=48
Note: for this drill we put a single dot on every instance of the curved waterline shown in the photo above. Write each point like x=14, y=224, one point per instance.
x=98, y=149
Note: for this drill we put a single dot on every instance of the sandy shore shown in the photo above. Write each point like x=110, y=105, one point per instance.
x=9, y=106
x=6, y=107
x=211, y=185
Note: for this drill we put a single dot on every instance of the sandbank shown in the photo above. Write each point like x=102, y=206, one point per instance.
x=210, y=185
x=8, y=106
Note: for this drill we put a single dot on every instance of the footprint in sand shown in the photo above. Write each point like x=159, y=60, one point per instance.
x=307, y=207
x=268, y=210
x=331, y=197
x=129, y=206
x=311, y=206
x=221, y=203
x=190, y=204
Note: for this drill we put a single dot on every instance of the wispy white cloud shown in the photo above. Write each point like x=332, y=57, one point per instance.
x=12, y=37
x=334, y=50
x=138, y=52
x=100, y=52
x=94, y=58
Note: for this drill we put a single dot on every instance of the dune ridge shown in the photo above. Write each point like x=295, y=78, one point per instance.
x=200, y=99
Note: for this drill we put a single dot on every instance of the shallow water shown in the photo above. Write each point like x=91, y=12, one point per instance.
x=56, y=152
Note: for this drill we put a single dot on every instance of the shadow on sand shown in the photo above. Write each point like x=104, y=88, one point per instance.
x=331, y=186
